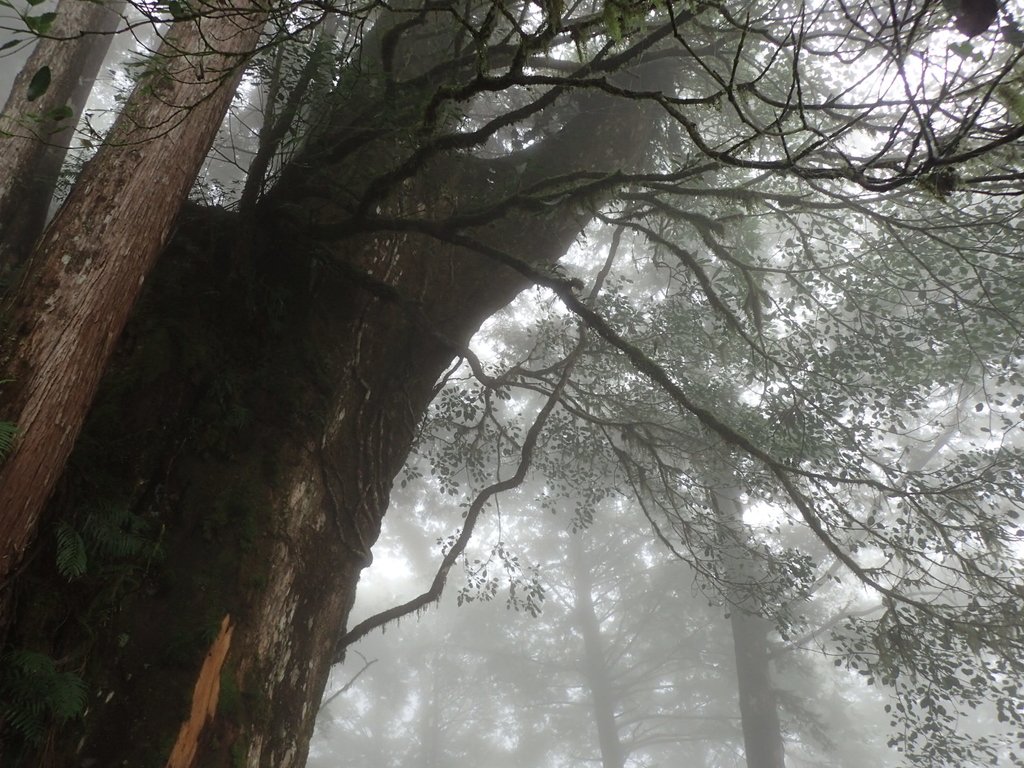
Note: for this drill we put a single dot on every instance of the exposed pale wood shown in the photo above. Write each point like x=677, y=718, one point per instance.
x=204, y=699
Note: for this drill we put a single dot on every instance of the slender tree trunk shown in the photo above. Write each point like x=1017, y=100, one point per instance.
x=430, y=749
x=597, y=677
x=90, y=265
x=32, y=143
x=762, y=730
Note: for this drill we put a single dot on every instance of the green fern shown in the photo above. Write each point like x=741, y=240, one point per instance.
x=71, y=553
x=114, y=532
x=8, y=433
x=35, y=695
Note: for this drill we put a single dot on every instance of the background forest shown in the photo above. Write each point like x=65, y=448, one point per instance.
x=679, y=342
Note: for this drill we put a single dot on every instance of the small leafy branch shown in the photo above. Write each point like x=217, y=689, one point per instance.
x=457, y=547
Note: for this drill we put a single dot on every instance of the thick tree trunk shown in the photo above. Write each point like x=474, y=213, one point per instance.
x=89, y=267
x=334, y=454
x=597, y=677
x=32, y=143
x=266, y=522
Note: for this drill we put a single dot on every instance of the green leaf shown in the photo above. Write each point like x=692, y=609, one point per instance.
x=1012, y=98
x=63, y=112
x=9, y=44
x=179, y=10
x=40, y=24
x=39, y=84
x=964, y=49
x=35, y=694
x=71, y=554
x=1012, y=33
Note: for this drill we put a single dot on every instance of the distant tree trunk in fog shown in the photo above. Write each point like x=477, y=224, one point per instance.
x=597, y=677
x=431, y=754
x=90, y=265
x=32, y=143
x=762, y=730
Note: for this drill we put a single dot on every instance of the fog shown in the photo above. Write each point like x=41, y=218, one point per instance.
x=734, y=481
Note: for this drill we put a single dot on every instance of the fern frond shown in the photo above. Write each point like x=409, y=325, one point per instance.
x=8, y=434
x=71, y=554
x=35, y=694
x=30, y=725
x=114, y=531
x=67, y=697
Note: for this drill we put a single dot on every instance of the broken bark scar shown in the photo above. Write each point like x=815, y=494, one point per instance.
x=204, y=699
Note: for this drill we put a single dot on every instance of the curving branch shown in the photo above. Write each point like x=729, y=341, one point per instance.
x=436, y=589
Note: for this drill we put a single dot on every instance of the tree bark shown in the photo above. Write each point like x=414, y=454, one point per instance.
x=32, y=143
x=89, y=267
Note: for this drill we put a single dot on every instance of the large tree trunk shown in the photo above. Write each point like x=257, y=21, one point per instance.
x=89, y=267
x=265, y=416
x=35, y=135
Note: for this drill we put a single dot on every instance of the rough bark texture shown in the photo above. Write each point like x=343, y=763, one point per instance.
x=90, y=265
x=32, y=143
